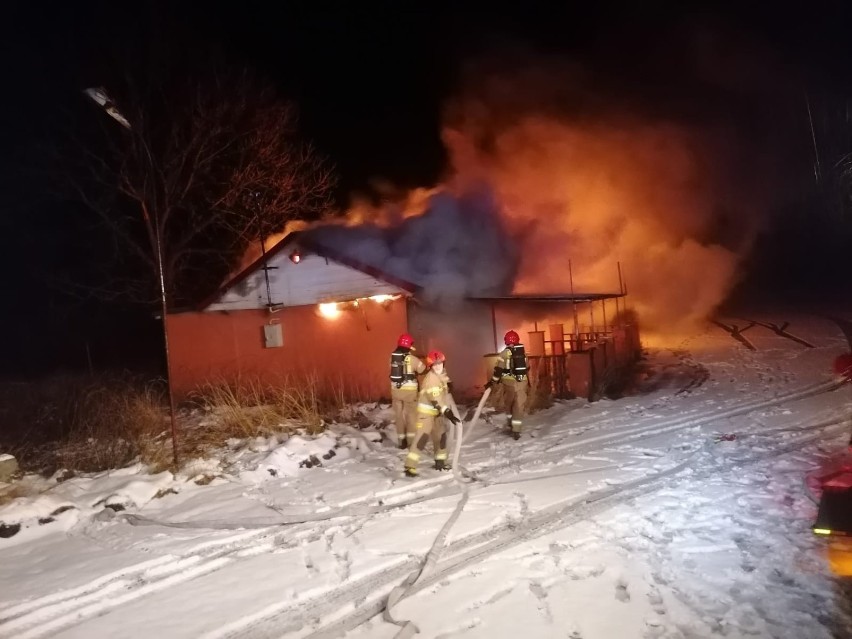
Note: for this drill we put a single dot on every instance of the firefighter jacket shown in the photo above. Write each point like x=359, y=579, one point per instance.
x=404, y=368
x=512, y=362
x=434, y=394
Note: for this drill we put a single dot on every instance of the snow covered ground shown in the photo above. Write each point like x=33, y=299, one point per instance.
x=614, y=519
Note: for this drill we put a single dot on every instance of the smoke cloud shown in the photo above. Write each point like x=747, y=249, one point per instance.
x=455, y=247
x=544, y=169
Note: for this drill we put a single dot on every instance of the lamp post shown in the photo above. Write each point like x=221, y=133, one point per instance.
x=100, y=96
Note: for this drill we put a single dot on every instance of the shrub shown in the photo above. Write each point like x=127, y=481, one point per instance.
x=83, y=422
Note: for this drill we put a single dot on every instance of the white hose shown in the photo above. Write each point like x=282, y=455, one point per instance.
x=408, y=628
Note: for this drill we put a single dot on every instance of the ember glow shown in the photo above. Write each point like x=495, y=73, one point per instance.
x=333, y=310
x=329, y=310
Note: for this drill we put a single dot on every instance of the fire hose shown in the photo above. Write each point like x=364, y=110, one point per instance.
x=408, y=628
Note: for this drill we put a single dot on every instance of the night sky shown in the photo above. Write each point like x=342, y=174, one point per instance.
x=371, y=82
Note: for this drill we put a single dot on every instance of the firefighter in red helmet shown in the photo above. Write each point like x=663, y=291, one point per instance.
x=511, y=373
x=433, y=404
x=404, y=369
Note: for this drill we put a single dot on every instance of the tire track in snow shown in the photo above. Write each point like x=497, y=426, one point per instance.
x=46, y=615
x=629, y=433
x=562, y=516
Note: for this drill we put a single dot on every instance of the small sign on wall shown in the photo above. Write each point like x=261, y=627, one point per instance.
x=272, y=337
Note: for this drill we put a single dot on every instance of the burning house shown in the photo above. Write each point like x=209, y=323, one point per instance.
x=305, y=310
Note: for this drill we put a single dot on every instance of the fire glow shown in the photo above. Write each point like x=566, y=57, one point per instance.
x=329, y=310
x=677, y=204
x=333, y=310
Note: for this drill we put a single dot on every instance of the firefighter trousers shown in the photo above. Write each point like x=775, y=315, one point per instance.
x=404, y=402
x=515, y=394
x=428, y=427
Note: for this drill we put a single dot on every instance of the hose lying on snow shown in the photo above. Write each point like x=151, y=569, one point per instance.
x=408, y=628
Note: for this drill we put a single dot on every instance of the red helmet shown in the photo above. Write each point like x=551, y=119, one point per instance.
x=435, y=356
x=511, y=338
x=405, y=340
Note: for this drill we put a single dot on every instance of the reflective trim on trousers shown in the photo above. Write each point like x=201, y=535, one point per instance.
x=441, y=455
x=517, y=424
x=412, y=458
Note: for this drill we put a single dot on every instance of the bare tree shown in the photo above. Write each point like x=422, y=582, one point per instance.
x=198, y=173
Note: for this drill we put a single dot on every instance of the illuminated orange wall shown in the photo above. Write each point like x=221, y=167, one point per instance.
x=350, y=352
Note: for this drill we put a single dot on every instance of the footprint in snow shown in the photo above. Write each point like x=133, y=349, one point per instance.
x=656, y=601
x=621, y=593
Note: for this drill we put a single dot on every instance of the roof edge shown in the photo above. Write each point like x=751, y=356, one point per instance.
x=301, y=240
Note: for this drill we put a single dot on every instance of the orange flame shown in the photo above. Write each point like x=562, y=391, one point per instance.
x=599, y=196
x=661, y=199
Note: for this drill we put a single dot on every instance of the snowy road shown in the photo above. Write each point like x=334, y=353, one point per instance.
x=618, y=518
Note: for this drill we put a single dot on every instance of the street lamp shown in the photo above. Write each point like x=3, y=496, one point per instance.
x=99, y=95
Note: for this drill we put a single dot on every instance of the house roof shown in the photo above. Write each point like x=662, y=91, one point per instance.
x=299, y=239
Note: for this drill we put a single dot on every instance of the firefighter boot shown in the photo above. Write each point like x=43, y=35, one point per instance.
x=411, y=462
x=403, y=442
x=441, y=464
x=516, y=435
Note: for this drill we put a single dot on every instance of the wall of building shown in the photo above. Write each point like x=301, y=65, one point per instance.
x=348, y=353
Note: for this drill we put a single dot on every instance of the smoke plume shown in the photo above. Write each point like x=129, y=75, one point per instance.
x=456, y=247
x=544, y=168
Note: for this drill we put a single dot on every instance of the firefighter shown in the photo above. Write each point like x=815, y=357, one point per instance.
x=404, y=369
x=433, y=403
x=511, y=373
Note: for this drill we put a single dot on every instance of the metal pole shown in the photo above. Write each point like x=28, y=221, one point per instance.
x=164, y=304
x=265, y=266
x=154, y=232
x=573, y=305
x=618, y=316
x=592, y=319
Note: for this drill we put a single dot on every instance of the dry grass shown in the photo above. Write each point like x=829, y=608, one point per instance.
x=82, y=422
x=91, y=424
x=251, y=407
x=112, y=425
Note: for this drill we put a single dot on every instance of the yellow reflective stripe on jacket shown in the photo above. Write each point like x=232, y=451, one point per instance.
x=427, y=409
